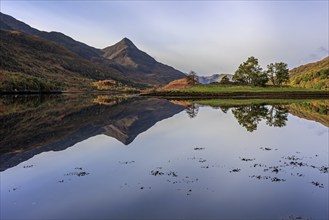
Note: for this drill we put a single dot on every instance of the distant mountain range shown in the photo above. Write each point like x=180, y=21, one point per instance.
x=54, y=60
x=311, y=75
x=213, y=78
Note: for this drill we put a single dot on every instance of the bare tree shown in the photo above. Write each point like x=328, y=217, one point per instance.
x=192, y=78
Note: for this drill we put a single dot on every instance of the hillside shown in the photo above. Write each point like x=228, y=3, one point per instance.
x=176, y=85
x=9, y=23
x=138, y=65
x=122, y=61
x=312, y=75
x=31, y=63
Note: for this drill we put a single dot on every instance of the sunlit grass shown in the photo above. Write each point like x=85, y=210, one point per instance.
x=213, y=88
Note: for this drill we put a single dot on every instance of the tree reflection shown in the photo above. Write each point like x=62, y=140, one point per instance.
x=224, y=109
x=277, y=116
x=192, y=110
x=250, y=116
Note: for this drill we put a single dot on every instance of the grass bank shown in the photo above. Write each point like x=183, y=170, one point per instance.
x=241, y=92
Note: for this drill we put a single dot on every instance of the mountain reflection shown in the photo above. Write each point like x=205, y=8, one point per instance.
x=30, y=125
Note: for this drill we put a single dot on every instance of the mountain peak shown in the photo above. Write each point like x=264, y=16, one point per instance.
x=126, y=42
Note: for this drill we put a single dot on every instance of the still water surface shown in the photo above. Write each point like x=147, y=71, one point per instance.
x=153, y=158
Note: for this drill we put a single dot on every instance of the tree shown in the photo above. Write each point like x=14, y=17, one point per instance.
x=225, y=80
x=192, y=78
x=278, y=73
x=250, y=72
x=261, y=79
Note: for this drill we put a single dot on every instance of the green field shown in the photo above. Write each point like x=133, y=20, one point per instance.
x=210, y=91
x=215, y=88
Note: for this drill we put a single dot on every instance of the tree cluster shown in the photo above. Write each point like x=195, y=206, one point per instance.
x=251, y=73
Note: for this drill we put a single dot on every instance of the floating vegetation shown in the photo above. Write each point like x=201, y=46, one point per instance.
x=273, y=179
x=295, y=163
x=235, y=170
x=293, y=157
x=79, y=174
x=157, y=173
x=324, y=169
x=267, y=148
x=260, y=177
x=13, y=189
x=259, y=165
x=173, y=174
x=247, y=159
x=126, y=162
x=274, y=169
x=295, y=217
x=28, y=166
x=320, y=185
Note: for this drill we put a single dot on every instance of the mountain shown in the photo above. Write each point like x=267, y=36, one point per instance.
x=32, y=63
x=213, y=78
x=122, y=61
x=138, y=65
x=9, y=23
x=311, y=75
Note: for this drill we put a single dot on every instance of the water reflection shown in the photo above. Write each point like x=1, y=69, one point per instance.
x=205, y=166
x=273, y=112
x=30, y=125
x=250, y=116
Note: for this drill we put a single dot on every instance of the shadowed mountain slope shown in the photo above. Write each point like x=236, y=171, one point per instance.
x=122, y=61
x=9, y=23
x=32, y=63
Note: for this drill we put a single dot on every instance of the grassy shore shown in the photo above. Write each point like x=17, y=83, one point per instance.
x=241, y=102
x=215, y=88
x=222, y=91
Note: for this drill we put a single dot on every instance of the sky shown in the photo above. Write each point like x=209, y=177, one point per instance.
x=207, y=37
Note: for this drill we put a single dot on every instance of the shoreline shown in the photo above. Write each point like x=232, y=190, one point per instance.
x=195, y=95
x=240, y=95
